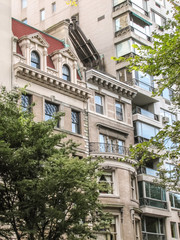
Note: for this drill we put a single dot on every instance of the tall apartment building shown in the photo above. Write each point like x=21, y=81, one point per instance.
x=115, y=108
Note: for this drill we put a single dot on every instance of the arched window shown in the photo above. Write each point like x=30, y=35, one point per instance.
x=66, y=73
x=35, y=59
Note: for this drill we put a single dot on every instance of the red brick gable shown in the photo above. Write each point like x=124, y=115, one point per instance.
x=20, y=29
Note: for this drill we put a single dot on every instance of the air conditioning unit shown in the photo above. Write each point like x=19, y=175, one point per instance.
x=165, y=119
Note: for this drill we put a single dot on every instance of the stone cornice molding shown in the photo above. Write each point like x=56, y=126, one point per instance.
x=66, y=52
x=36, y=38
x=44, y=79
x=110, y=83
x=115, y=157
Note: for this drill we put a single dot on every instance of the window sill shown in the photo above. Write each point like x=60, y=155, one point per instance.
x=106, y=195
x=68, y=132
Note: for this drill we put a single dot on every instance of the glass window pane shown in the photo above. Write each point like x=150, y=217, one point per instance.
x=173, y=230
x=24, y=3
x=75, y=121
x=152, y=225
x=123, y=48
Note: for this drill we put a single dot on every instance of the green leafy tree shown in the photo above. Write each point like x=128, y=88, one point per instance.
x=44, y=192
x=162, y=61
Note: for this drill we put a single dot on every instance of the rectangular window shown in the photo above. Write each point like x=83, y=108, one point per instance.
x=24, y=3
x=99, y=104
x=174, y=200
x=123, y=48
x=119, y=111
x=153, y=228
x=144, y=81
x=173, y=230
x=154, y=191
x=159, y=20
x=117, y=24
x=145, y=131
x=53, y=7
x=169, y=117
x=42, y=14
x=139, y=5
x=106, y=183
x=137, y=229
x=50, y=110
x=26, y=102
x=152, y=195
x=116, y=2
x=133, y=187
x=167, y=94
x=75, y=117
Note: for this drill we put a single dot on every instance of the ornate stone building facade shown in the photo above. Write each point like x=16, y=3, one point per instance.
x=107, y=109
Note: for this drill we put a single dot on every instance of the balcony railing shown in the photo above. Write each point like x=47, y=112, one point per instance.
x=132, y=29
x=153, y=236
x=153, y=203
x=144, y=85
x=146, y=113
x=130, y=3
x=108, y=148
x=148, y=171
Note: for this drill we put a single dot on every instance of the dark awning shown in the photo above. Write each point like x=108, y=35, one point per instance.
x=142, y=19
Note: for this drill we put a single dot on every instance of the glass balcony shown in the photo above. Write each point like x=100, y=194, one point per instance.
x=153, y=203
x=153, y=236
x=148, y=171
x=146, y=113
x=108, y=148
x=144, y=85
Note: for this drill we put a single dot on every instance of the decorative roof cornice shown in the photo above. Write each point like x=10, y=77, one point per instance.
x=110, y=83
x=45, y=79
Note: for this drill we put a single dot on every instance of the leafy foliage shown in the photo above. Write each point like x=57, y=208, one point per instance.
x=45, y=193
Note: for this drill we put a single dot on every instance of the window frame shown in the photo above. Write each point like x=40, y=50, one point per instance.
x=77, y=125
x=66, y=76
x=48, y=115
x=35, y=64
x=53, y=5
x=172, y=200
x=173, y=227
x=159, y=227
x=97, y=105
x=23, y=4
x=121, y=118
x=110, y=184
x=42, y=14
x=29, y=102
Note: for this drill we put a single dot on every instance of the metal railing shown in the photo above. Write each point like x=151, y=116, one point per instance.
x=108, y=148
x=143, y=85
x=130, y=3
x=146, y=113
x=153, y=236
x=153, y=203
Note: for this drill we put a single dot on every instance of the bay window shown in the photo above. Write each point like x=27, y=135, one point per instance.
x=152, y=195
